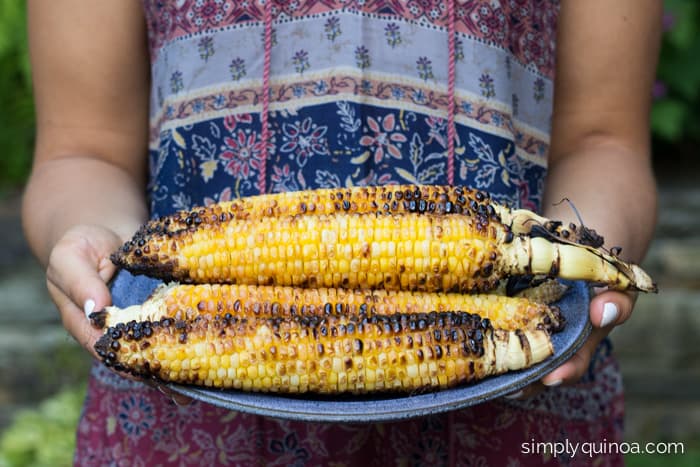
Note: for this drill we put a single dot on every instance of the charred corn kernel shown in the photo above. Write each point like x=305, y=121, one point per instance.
x=400, y=352
x=187, y=302
x=391, y=199
x=416, y=239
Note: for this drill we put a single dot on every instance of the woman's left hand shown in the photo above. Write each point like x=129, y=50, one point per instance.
x=608, y=309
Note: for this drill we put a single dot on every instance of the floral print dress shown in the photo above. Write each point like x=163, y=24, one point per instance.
x=358, y=95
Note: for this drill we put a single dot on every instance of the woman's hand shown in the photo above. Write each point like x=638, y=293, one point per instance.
x=77, y=274
x=608, y=309
x=86, y=189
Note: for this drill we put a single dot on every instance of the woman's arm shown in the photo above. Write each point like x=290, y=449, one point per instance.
x=600, y=155
x=86, y=191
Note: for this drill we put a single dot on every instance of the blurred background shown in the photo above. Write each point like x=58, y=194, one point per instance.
x=42, y=370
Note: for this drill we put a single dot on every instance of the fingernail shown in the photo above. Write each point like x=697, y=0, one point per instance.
x=609, y=314
x=89, y=307
x=553, y=384
x=514, y=395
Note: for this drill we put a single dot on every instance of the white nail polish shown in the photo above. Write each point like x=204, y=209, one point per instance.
x=553, y=384
x=89, y=307
x=609, y=314
x=514, y=395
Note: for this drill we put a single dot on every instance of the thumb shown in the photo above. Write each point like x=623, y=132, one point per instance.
x=95, y=295
x=79, y=266
x=76, y=276
x=609, y=307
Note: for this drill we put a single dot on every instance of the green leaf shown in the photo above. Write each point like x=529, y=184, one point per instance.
x=416, y=150
x=16, y=102
x=679, y=69
x=12, y=26
x=685, y=26
x=668, y=118
x=44, y=436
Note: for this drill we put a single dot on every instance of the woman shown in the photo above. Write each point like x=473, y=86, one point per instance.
x=146, y=108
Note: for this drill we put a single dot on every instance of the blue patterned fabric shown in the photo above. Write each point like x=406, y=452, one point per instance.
x=332, y=145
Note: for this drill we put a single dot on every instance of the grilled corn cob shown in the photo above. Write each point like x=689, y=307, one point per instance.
x=425, y=251
x=186, y=302
x=322, y=354
x=387, y=199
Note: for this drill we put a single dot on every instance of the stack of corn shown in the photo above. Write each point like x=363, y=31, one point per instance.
x=351, y=290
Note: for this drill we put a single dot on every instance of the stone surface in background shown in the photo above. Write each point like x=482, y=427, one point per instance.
x=660, y=359
x=37, y=356
x=659, y=347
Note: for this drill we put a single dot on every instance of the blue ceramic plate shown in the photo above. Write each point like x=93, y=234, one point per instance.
x=377, y=408
x=574, y=306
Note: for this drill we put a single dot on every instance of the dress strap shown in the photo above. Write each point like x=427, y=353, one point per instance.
x=451, y=72
x=264, y=118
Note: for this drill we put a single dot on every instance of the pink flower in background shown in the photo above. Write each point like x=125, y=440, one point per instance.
x=668, y=21
x=659, y=90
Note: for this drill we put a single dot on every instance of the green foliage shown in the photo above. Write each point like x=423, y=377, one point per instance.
x=16, y=103
x=44, y=437
x=676, y=112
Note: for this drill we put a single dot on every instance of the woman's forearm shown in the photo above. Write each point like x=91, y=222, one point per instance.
x=69, y=191
x=600, y=154
x=613, y=189
x=91, y=98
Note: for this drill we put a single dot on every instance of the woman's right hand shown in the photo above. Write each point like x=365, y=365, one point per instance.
x=77, y=274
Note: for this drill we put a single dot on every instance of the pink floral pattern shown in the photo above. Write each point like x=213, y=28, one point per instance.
x=208, y=13
x=242, y=153
x=383, y=141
